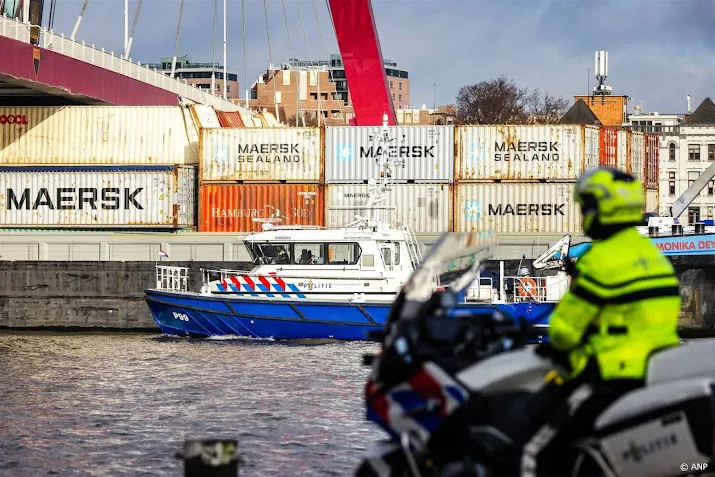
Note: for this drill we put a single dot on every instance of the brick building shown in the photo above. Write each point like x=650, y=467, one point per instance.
x=319, y=87
x=610, y=110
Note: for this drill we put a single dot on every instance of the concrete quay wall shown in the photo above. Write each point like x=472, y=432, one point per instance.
x=67, y=295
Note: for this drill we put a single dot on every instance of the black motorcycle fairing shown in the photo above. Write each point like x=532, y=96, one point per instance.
x=487, y=428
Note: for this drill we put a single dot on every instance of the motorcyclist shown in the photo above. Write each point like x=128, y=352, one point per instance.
x=622, y=305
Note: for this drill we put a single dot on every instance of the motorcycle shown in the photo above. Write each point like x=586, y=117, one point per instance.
x=450, y=389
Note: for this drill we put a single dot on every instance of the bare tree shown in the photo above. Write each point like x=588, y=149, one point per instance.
x=543, y=108
x=310, y=118
x=501, y=101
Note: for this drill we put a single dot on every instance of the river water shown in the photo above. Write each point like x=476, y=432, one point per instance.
x=102, y=404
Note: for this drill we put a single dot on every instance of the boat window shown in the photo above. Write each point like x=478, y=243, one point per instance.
x=368, y=260
x=343, y=253
x=274, y=254
x=397, y=253
x=386, y=256
x=309, y=253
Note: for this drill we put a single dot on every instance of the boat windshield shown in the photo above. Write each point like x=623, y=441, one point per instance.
x=269, y=253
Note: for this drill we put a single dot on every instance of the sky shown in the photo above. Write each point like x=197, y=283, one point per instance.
x=659, y=50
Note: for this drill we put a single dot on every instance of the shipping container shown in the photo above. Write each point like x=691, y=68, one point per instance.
x=651, y=200
x=652, y=160
x=101, y=135
x=246, y=207
x=425, y=208
x=637, y=159
x=261, y=154
x=230, y=119
x=351, y=153
x=517, y=207
x=525, y=152
x=204, y=116
x=98, y=196
x=613, y=148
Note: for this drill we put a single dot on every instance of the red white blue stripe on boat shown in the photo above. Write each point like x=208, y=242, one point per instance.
x=248, y=284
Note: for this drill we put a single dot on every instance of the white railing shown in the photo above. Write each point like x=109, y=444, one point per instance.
x=538, y=289
x=482, y=289
x=173, y=279
x=209, y=275
x=20, y=31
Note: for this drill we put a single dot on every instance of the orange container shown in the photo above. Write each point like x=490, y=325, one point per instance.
x=652, y=160
x=230, y=119
x=608, y=150
x=245, y=207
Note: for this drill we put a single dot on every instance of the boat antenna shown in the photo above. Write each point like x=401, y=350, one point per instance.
x=378, y=188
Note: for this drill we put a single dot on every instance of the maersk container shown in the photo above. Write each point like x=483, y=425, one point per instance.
x=652, y=161
x=261, y=154
x=518, y=153
x=425, y=208
x=637, y=160
x=205, y=116
x=517, y=207
x=613, y=148
x=351, y=153
x=101, y=135
x=98, y=196
x=246, y=207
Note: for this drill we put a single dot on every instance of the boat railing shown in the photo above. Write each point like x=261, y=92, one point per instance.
x=210, y=275
x=538, y=289
x=482, y=289
x=173, y=279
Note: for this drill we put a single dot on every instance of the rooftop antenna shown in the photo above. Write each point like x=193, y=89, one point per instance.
x=601, y=70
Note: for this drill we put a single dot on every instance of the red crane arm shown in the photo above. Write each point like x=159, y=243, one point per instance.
x=359, y=46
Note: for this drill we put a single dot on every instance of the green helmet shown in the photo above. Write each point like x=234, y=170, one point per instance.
x=609, y=197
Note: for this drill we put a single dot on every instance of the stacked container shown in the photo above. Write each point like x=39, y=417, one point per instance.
x=251, y=176
x=520, y=179
x=652, y=172
x=421, y=193
x=98, y=167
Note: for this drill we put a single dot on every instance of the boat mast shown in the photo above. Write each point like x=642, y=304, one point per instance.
x=379, y=187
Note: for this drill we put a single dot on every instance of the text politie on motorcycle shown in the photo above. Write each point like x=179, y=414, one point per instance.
x=622, y=305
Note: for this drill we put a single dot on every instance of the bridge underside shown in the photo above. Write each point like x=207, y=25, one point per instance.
x=20, y=92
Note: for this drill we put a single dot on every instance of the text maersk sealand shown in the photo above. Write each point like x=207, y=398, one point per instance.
x=308, y=282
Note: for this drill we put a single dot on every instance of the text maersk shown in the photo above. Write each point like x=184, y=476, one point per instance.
x=416, y=152
x=70, y=198
x=527, y=209
x=270, y=153
x=526, y=151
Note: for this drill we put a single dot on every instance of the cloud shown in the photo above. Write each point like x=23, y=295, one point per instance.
x=658, y=51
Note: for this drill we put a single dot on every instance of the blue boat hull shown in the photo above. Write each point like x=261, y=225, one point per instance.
x=191, y=314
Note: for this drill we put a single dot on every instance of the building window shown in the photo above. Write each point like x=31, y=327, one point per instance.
x=711, y=152
x=694, y=152
x=671, y=151
x=228, y=88
x=693, y=215
x=671, y=183
x=390, y=84
x=279, y=97
x=393, y=96
x=711, y=188
x=692, y=177
x=399, y=86
x=400, y=98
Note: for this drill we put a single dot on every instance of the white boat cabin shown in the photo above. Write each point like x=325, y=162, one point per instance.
x=314, y=263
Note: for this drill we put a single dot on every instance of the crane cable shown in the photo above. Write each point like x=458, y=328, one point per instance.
x=51, y=21
x=245, y=69
x=176, y=44
x=270, y=59
x=290, y=49
x=310, y=57
x=213, y=54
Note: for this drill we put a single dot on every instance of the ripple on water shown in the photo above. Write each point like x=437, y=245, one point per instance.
x=122, y=404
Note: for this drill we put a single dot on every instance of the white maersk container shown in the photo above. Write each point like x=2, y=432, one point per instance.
x=260, y=154
x=514, y=207
x=525, y=152
x=425, y=208
x=637, y=165
x=102, y=135
x=98, y=196
x=351, y=153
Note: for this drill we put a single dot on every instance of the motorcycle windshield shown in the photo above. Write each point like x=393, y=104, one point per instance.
x=453, y=262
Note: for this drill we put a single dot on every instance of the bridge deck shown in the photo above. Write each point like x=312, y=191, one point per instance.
x=64, y=71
